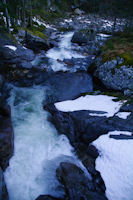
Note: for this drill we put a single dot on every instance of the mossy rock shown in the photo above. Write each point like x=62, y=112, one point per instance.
x=35, y=31
x=64, y=29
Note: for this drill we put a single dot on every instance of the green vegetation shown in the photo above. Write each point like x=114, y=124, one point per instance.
x=120, y=45
x=64, y=29
x=36, y=32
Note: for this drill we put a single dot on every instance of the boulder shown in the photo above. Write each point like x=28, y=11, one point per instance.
x=36, y=43
x=114, y=75
x=1, y=82
x=19, y=58
x=25, y=54
x=64, y=86
x=77, y=11
x=79, y=38
x=6, y=136
x=77, y=185
x=3, y=189
x=81, y=127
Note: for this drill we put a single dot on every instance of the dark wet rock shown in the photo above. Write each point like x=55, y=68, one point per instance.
x=1, y=82
x=128, y=107
x=64, y=86
x=92, y=151
x=6, y=136
x=7, y=53
x=114, y=76
x=77, y=185
x=82, y=129
x=79, y=125
x=120, y=124
x=25, y=54
x=36, y=43
x=121, y=137
x=26, y=65
x=3, y=189
x=21, y=57
x=47, y=197
x=79, y=38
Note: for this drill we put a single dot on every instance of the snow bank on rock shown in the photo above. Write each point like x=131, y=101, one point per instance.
x=123, y=115
x=103, y=35
x=93, y=103
x=11, y=47
x=115, y=164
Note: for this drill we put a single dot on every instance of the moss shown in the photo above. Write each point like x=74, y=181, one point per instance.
x=35, y=31
x=63, y=29
x=119, y=96
x=51, y=16
x=120, y=45
x=128, y=58
x=38, y=33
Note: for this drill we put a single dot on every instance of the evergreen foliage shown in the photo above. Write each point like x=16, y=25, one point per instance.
x=21, y=12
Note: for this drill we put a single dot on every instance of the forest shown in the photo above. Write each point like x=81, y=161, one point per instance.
x=21, y=12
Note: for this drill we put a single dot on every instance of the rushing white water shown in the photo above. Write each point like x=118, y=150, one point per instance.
x=63, y=51
x=38, y=148
x=116, y=165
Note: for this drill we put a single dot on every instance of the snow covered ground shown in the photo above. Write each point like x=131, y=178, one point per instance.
x=93, y=103
x=115, y=164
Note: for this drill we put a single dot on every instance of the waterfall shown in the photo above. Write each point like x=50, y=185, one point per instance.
x=38, y=148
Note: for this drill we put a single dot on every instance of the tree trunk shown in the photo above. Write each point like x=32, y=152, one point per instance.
x=7, y=17
x=24, y=17
x=30, y=13
x=114, y=25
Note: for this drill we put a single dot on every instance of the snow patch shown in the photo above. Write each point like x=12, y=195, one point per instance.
x=102, y=103
x=68, y=20
x=115, y=164
x=42, y=23
x=11, y=47
x=123, y=115
x=103, y=35
x=38, y=21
